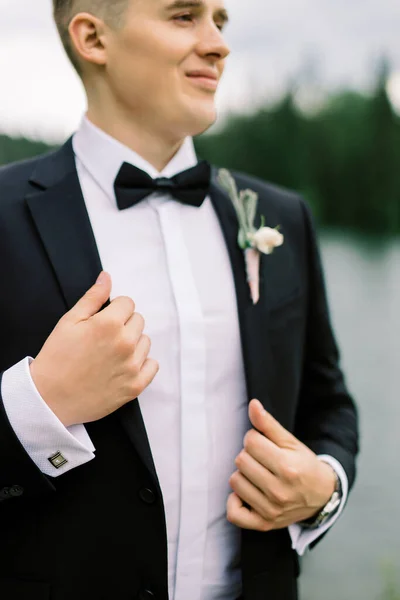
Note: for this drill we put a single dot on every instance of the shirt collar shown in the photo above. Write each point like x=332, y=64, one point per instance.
x=102, y=156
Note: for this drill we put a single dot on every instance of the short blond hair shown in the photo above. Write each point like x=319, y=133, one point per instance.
x=110, y=11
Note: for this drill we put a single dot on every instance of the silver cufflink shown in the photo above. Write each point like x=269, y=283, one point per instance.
x=57, y=460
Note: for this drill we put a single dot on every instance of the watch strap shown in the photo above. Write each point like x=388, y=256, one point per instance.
x=328, y=510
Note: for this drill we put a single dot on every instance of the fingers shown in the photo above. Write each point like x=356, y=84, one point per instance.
x=254, y=497
x=141, y=351
x=149, y=370
x=266, y=424
x=93, y=300
x=243, y=517
x=134, y=328
x=258, y=475
x=264, y=451
x=119, y=311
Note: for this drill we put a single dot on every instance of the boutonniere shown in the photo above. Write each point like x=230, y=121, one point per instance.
x=251, y=240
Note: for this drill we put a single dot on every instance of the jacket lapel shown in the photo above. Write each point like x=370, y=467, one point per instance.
x=62, y=222
x=253, y=319
x=59, y=213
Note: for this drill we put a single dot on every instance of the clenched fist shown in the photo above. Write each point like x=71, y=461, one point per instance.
x=94, y=362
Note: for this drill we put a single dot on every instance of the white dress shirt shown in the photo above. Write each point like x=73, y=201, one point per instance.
x=172, y=260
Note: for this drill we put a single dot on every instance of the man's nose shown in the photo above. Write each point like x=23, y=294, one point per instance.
x=212, y=43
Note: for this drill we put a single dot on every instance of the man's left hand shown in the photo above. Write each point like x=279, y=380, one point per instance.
x=279, y=480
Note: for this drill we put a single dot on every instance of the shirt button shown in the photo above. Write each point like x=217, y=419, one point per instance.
x=16, y=490
x=146, y=595
x=148, y=496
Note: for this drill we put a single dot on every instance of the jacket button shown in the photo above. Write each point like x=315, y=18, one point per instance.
x=16, y=490
x=148, y=496
x=5, y=492
x=146, y=595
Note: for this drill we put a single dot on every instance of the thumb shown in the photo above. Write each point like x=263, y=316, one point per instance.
x=93, y=300
x=265, y=423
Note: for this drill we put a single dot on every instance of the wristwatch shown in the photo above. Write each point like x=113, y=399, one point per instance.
x=328, y=510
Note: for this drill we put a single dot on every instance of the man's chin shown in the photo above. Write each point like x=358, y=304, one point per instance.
x=201, y=122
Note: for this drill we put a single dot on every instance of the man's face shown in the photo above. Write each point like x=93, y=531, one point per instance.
x=165, y=63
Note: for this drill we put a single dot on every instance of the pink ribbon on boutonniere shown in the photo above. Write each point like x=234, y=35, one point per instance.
x=252, y=258
x=251, y=240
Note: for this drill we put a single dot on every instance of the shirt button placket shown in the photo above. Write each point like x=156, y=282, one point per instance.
x=194, y=433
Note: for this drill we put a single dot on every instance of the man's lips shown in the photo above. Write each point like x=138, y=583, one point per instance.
x=204, y=78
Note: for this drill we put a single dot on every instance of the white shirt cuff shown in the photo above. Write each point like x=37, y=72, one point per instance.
x=302, y=537
x=38, y=429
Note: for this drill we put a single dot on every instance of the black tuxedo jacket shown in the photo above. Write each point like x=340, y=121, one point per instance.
x=98, y=532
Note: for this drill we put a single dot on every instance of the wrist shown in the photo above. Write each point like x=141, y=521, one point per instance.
x=329, y=483
x=40, y=385
x=330, y=507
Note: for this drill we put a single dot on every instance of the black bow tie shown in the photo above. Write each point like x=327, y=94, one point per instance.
x=190, y=187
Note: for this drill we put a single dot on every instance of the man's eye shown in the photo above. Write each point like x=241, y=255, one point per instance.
x=185, y=18
x=189, y=18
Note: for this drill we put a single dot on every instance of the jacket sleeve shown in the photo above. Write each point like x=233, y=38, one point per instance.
x=326, y=419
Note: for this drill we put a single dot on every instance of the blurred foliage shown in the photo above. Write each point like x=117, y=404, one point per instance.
x=12, y=150
x=390, y=581
x=345, y=159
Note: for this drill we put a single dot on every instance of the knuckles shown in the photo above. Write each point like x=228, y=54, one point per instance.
x=279, y=497
x=240, y=460
x=230, y=514
x=290, y=473
x=134, y=367
x=125, y=346
x=139, y=321
x=265, y=526
x=234, y=478
x=251, y=439
x=125, y=302
x=140, y=380
x=133, y=390
x=273, y=513
x=108, y=327
x=146, y=341
x=232, y=517
x=154, y=364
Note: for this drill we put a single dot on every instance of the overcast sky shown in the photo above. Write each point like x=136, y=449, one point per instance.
x=334, y=42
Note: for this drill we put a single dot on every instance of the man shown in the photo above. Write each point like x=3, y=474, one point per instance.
x=126, y=472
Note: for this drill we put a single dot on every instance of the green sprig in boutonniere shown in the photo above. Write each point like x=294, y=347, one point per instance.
x=251, y=240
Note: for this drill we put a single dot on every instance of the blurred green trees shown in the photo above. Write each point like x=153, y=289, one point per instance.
x=12, y=150
x=345, y=158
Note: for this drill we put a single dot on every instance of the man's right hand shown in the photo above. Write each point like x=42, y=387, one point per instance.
x=94, y=362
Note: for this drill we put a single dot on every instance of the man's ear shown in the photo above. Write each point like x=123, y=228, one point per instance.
x=88, y=38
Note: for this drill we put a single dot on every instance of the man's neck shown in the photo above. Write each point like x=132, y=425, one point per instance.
x=155, y=149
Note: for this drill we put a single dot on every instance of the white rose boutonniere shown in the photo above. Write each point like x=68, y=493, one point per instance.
x=252, y=241
x=266, y=239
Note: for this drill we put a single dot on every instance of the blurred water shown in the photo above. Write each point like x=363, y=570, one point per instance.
x=351, y=563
